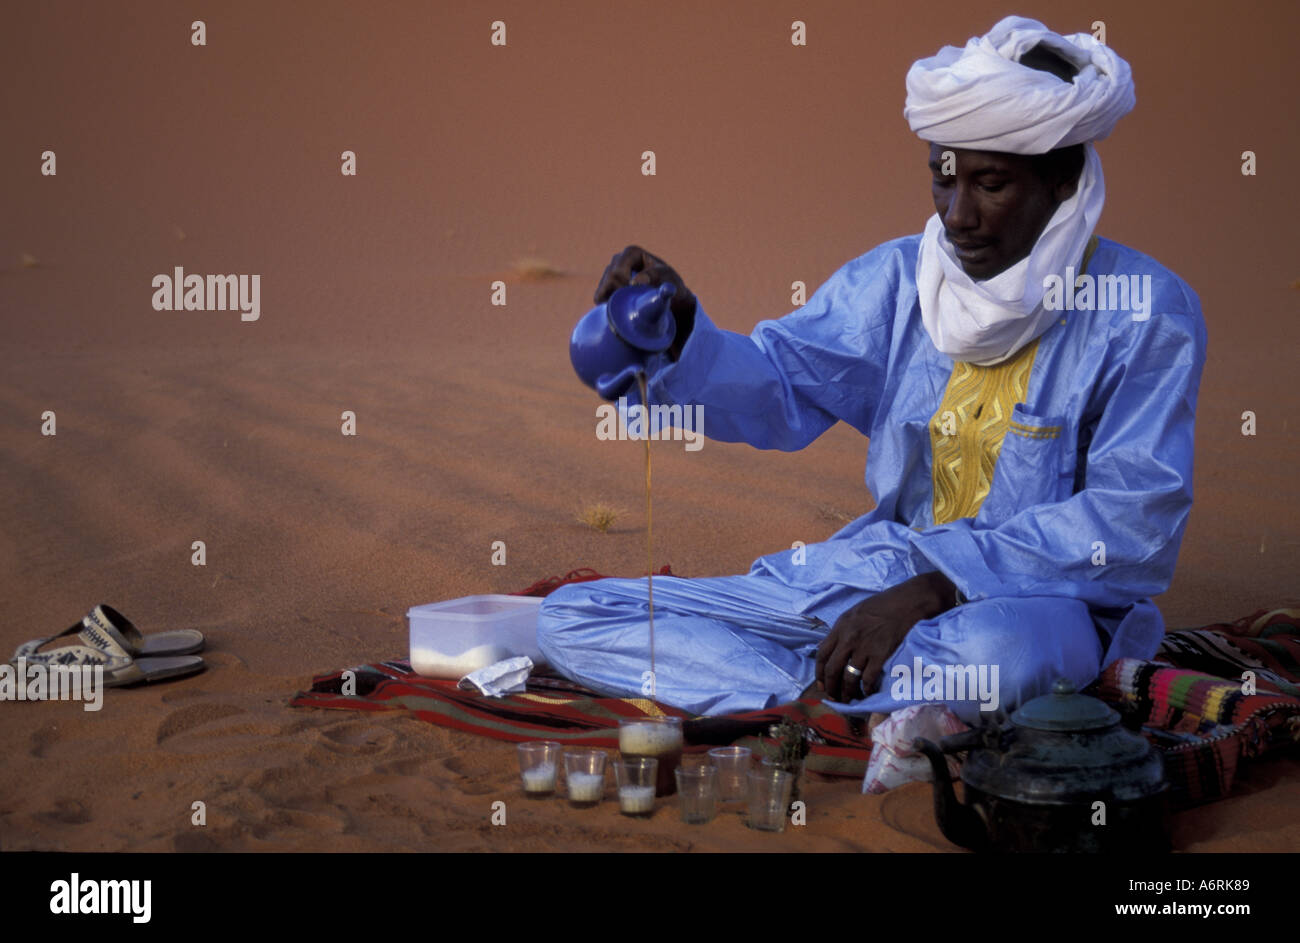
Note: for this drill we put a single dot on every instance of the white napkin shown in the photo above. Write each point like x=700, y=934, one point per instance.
x=893, y=761
x=500, y=679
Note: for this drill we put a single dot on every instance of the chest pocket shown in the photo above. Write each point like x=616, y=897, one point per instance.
x=1030, y=470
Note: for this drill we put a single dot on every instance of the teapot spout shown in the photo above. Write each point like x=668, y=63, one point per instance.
x=612, y=386
x=642, y=317
x=959, y=823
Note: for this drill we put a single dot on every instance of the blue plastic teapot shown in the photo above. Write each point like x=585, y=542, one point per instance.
x=613, y=341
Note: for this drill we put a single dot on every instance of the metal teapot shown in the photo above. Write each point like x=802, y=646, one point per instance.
x=1063, y=775
x=612, y=342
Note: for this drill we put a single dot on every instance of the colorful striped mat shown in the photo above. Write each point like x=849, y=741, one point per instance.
x=1214, y=696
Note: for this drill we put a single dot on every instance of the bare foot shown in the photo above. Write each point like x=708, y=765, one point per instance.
x=874, y=721
x=813, y=690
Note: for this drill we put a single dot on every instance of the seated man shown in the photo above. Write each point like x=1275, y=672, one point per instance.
x=1028, y=390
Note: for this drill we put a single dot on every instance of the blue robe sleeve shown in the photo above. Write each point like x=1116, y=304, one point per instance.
x=792, y=379
x=1136, y=488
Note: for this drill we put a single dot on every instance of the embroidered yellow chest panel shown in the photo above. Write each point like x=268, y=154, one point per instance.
x=967, y=430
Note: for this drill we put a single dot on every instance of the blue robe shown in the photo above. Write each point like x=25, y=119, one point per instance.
x=1078, y=523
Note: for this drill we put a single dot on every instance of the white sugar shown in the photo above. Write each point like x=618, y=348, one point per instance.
x=586, y=787
x=541, y=778
x=636, y=798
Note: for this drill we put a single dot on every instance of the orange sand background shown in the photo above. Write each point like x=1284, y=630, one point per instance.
x=775, y=163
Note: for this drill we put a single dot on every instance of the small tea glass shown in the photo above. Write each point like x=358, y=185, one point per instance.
x=769, y=798
x=636, y=784
x=697, y=793
x=794, y=767
x=584, y=776
x=733, y=769
x=538, y=763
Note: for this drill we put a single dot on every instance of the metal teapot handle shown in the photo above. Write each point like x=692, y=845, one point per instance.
x=961, y=742
x=959, y=823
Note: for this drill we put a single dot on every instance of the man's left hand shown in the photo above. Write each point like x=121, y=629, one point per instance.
x=866, y=635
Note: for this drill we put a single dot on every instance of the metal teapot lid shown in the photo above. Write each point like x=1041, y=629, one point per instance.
x=1065, y=710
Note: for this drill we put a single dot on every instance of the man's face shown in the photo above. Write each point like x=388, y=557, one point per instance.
x=994, y=207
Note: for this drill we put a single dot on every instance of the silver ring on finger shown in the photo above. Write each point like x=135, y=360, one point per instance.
x=855, y=672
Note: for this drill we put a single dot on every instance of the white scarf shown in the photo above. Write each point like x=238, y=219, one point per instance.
x=985, y=322
x=981, y=98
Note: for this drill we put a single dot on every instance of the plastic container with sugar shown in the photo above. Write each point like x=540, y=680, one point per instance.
x=452, y=638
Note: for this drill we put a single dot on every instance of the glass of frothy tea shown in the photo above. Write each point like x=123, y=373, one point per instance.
x=584, y=775
x=538, y=762
x=636, y=784
x=658, y=737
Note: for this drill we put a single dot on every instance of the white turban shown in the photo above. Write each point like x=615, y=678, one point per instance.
x=981, y=98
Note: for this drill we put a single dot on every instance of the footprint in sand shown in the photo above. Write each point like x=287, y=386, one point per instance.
x=476, y=775
x=66, y=812
x=285, y=791
x=357, y=738
x=42, y=739
x=223, y=659
x=186, y=719
x=196, y=840
x=277, y=779
x=265, y=805
x=909, y=811
x=282, y=820
x=280, y=798
x=413, y=766
x=478, y=788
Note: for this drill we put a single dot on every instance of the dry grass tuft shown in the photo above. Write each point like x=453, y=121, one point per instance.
x=599, y=516
x=535, y=270
x=828, y=513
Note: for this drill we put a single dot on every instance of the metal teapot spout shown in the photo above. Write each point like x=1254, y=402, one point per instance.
x=959, y=823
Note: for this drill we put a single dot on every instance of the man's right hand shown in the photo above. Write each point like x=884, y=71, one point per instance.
x=865, y=635
x=636, y=266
